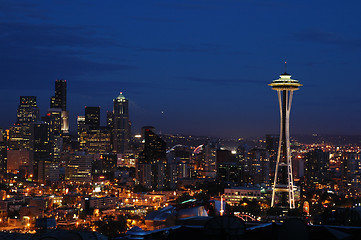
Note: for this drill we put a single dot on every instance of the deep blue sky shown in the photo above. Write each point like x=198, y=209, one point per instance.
x=205, y=63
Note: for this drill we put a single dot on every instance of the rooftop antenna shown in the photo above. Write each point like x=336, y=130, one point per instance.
x=285, y=67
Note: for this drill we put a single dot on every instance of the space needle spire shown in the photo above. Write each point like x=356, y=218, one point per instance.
x=283, y=179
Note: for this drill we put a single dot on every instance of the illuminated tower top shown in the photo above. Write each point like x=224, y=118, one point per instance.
x=121, y=97
x=285, y=82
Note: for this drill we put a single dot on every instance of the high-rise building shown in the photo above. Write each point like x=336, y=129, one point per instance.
x=272, y=148
x=110, y=117
x=16, y=140
x=3, y=154
x=59, y=101
x=92, y=116
x=151, y=164
x=178, y=164
x=28, y=112
x=95, y=140
x=351, y=172
x=121, y=124
x=317, y=169
x=53, y=119
x=283, y=179
x=20, y=161
x=259, y=166
x=65, y=122
x=78, y=167
x=230, y=172
x=39, y=144
x=224, y=155
x=204, y=157
x=48, y=171
x=80, y=121
x=104, y=165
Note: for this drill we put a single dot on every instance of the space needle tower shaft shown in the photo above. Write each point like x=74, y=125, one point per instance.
x=283, y=178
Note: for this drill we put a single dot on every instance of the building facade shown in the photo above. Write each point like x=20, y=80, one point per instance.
x=121, y=124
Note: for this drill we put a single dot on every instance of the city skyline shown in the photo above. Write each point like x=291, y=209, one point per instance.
x=196, y=67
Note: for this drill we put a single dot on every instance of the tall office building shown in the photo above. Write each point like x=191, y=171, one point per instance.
x=53, y=119
x=317, y=169
x=151, y=164
x=19, y=161
x=283, y=179
x=28, y=110
x=81, y=126
x=59, y=101
x=272, y=148
x=110, y=117
x=27, y=113
x=204, y=157
x=351, y=172
x=78, y=167
x=121, y=124
x=178, y=164
x=3, y=154
x=92, y=116
x=95, y=140
x=39, y=145
x=230, y=172
x=259, y=166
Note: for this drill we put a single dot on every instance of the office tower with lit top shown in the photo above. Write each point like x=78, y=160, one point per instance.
x=121, y=124
x=283, y=179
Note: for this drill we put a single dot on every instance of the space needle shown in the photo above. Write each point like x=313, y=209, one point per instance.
x=283, y=179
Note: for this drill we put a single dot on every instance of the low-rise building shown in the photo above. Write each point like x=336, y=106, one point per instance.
x=233, y=196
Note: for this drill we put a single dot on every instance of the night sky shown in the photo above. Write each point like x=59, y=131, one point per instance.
x=204, y=63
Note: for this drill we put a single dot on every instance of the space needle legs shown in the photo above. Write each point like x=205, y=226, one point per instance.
x=283, y=178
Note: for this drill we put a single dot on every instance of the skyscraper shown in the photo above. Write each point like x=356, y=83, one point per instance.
x=78, y=167
x=351, y=172
x=283, y=180
x=259, y=166
x=92, y=116
x=3, y=154
x=151, y=164
x=59, y=101
x=317, y=169
x=121, y=124
x=53, y=119
x=28, y=112
x=39, y=145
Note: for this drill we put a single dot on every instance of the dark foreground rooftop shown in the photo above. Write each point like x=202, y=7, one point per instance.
x=230, y=227
x=54, y=234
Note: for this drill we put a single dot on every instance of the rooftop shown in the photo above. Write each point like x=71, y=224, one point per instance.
x=121, y=96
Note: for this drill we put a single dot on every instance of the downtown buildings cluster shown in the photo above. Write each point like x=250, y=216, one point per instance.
x=41, y=148
x=107, y=170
